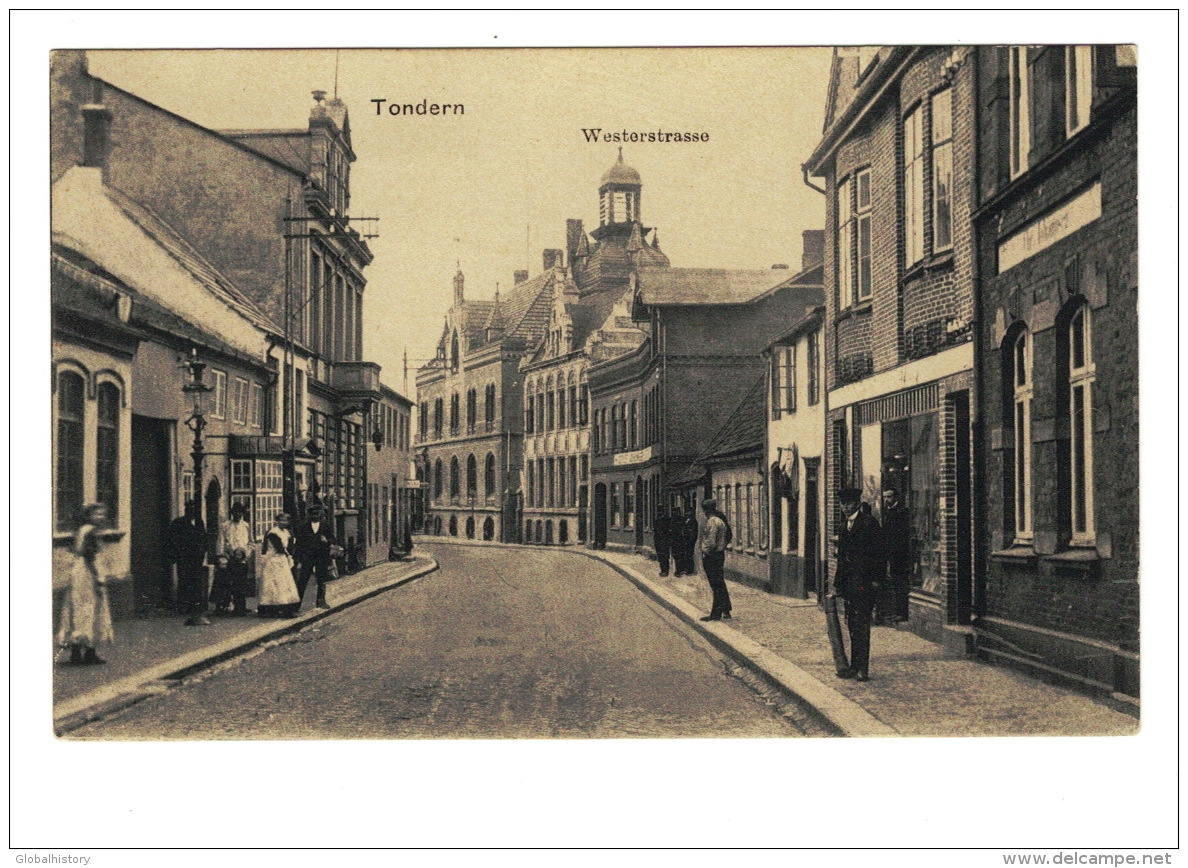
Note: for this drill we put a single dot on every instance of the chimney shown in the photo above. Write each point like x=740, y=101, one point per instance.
x=521, y=275
x=459, y=283
x=573, y=233
x=552, y=257
x=96, y=129
x=812, y=248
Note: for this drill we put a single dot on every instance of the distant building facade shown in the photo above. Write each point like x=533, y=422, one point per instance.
x=471, y=438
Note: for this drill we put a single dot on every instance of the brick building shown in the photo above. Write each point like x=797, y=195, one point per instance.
x=557, y=424
x=389, y=480
x=262, y=215
x=1058, y=362
x=471, y=436
x=658, y=407
x=897, y=159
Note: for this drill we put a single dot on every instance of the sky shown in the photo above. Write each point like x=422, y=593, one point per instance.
x=490, y=189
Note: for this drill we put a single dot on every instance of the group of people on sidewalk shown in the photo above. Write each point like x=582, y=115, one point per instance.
x=874, y=564
x=675, y=536
x=288, y=561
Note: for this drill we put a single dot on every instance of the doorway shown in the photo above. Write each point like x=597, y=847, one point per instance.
x=151, y=511
x=811, y=545
x=600, y=515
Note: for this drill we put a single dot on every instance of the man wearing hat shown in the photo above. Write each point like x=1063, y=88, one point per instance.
x=860, y=566
x=312, y=543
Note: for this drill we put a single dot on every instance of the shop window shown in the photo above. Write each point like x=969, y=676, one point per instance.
x=616, y=517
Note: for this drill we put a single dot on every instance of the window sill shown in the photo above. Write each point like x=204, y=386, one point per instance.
x=1085, y=561
x=1016, y=554
x=855, y=309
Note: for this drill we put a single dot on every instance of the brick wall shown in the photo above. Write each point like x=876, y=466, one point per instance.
x=1098, y=263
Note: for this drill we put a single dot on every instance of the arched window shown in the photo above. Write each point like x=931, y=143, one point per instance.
x=1081, y=375
x=471, y=410
x=471, y=476
x=454, y=358
x=490, y=406
x=454, y=413
x=489, y=476
x=107, y=452
x=455, y=482
x=1021, y=424
x=71, y=391
x=529, y=411
x=470, y=527
x=437, y=479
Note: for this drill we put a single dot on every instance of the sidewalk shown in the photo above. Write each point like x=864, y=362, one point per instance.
x=150, y=653
x=916, y=687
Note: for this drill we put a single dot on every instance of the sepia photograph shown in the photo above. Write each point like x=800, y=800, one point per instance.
x=428, y=399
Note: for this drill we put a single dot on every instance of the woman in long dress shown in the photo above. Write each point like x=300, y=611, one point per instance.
x=86, y=614
x=278, y=591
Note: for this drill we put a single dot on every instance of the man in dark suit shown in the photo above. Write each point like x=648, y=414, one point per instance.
x=686, y=533
x=897, y=542
x=662, y=538
x=187, y=550
x=312, y=547
x=860, y=565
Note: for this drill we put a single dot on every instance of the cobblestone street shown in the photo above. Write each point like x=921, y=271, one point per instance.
x=498, y=643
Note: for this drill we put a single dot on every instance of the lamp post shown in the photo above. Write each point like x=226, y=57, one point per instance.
x=194, y=390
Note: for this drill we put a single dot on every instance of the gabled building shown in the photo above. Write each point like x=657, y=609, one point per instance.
x=555, y=481
x=656, y=407
x=261, y=219
x=471, y=438
x=795, y=449
x=1058, y=362
x=896, y=158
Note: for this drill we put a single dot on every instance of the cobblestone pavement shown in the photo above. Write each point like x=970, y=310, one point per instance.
x=916, y=686
x=497, y=643
x=145, y=642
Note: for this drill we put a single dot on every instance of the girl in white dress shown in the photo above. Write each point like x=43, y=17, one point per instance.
x=278, y=591
x=86, y=614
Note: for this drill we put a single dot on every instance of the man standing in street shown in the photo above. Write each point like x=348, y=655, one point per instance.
x=713, y=559
x=662, y=538
x=897, y=542
x=860, y=566
x=313, y=542
x=187, y=551
x=685, y=543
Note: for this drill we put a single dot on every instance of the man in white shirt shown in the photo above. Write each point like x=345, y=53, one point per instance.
x=714, y=540
x=236, y=545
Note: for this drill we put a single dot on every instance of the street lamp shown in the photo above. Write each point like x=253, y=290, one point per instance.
x=194, y=390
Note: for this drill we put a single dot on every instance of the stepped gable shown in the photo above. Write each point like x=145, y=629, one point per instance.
x=528, y=306
x=190, y=259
